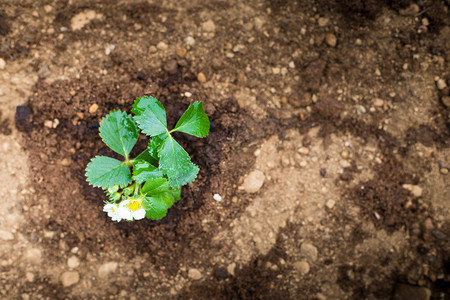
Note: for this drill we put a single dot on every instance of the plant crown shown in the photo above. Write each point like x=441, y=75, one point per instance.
x=150, y=183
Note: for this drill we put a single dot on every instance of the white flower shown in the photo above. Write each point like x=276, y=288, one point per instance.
x=131, y=209
x=113, y=211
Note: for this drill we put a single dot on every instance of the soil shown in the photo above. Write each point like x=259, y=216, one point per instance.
x=339, y=104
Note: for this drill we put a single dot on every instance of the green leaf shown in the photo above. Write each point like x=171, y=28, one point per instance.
x=155, y=186
x=154, y=144
x=106, y=172
x=176, y=163
x=155, y=208
x=176, y=194
x=143, y=171
x=194, y=121
x=147, y=156
x=119, y=131
x=150, y=115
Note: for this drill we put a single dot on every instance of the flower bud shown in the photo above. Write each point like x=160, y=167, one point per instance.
x=113, y=189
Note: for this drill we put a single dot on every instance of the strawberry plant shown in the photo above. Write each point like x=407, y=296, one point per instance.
x=149, y=184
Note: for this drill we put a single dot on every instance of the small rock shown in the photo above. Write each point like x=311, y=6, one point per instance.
x=331, y=39
x=411, y=292
x=109, y=49
x=439, y=234
x=209, y=26
x=440, y=83
x=414, y=189
x=181, y=52
x=322, y=22
x=152, y=49
x=171, y=67
x=70, y=278
x=48, y=8
x=217, y=197
x=2, y=64
x=259, y=23
x=231, y=267
x=33, y=256
x=360, y=110
x=309, y=251
x=6, y=235
x=446, y=101
x=428, y=224
x=23, y=118
x=162, y=46
x=48, y=123
x=106, y=269
x=444, y=171
x=201, y=77
x=73, y=262
x=253, y=181
x=190, y=41
x=55, y=123
x=411, y=10
x=194, y=274
x=29, y=276
x=93, y=108
x=81, y=19
x=345, y=154
x=330, y=203
x=303, y=150
x=302, y=267
x=238, y=48
x=378, y=102
x=44, y=72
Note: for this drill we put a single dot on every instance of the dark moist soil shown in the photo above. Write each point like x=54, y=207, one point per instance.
x=58, y=157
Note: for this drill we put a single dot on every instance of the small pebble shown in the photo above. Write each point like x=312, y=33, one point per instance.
x=302, y=267
x=217, y=197
x=411, y=10
x=48, y=123
x=444, y=171
x=181, y=52
x=360, y=110
x=253, y=181
x=440, y=83
x=231, y=267
x=322, y=22
x=93, y=108
x=303, y=150
x=194, y=274
x=378, y=102
x=309, y=251
x=70, y=278
x=414, y=189
x=201, y=77
x=446, y=101
x=331, y=39
x=2, y=64
x=30, y=276
x=73, y=262
x=330, y=203
x=190, y=41
x=162, y=46
x=209, y=26
x=345, y=154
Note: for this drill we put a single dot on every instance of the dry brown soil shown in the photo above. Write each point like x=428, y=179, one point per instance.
x=341, y=108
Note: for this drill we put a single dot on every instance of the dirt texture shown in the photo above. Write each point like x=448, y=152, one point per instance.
x=329, y=147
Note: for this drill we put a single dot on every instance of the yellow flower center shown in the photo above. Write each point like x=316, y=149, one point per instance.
x=134, y=205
